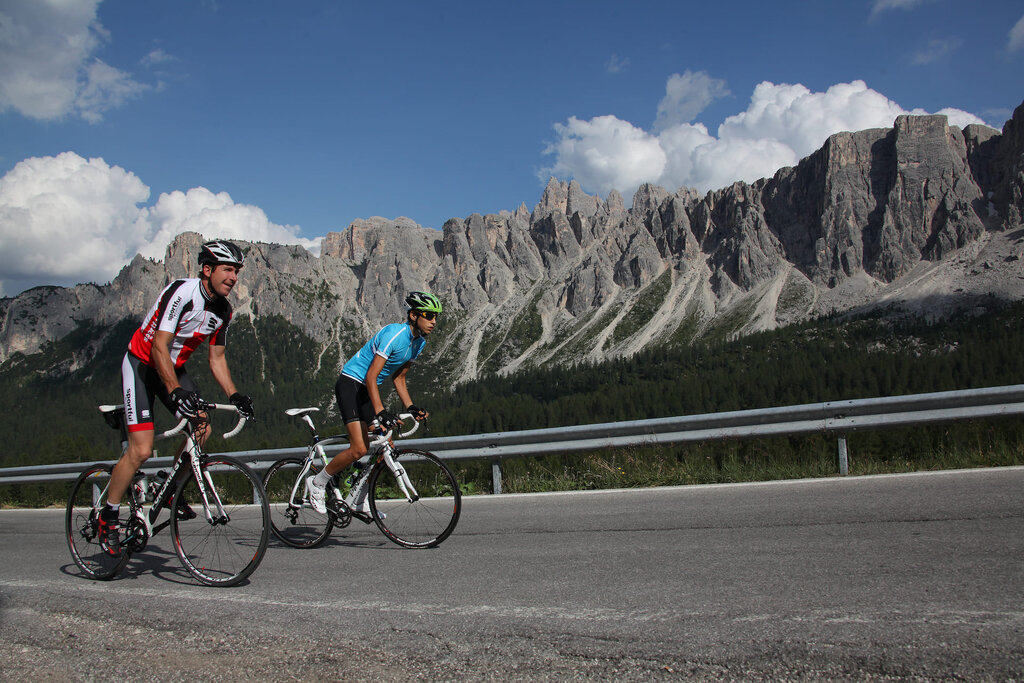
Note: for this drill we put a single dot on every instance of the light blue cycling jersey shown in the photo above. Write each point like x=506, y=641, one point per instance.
x=394, y=342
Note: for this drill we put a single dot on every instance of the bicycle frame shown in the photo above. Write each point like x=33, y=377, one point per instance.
x=192, y=453
x=379, y=447
x=379, y=491
x=221, y=547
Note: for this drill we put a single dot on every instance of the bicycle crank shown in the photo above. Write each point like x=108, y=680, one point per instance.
x=340, y=511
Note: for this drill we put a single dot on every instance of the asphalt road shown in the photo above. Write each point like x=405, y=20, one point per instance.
x=910, y=577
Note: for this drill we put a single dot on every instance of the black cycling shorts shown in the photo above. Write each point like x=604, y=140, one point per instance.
x=139, y=384
x=353, y=400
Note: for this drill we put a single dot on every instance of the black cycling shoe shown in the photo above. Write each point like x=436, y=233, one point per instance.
x=109, y=534
x=184, y=511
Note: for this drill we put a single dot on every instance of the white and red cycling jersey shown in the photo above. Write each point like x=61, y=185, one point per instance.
x=187, y=311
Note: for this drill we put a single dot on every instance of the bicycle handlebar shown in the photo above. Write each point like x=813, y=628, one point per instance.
x=180, y=427
x=403, y=417
x=177, y=429
x=242, y=419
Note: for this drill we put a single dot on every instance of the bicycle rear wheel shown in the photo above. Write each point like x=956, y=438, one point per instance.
x=428, y=519
x=81, y=525
x=293, y=520
x=226, y=549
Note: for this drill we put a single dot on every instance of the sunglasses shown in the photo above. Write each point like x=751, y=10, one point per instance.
x=429, y=315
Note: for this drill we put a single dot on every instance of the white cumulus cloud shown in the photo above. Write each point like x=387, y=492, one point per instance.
x=66, y=220
x=47, y=68
x=606, y=153
x=782, y=124
x=802, y=120
x=213, y=215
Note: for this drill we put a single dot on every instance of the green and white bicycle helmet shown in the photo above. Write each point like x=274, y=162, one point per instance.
x=423, y=302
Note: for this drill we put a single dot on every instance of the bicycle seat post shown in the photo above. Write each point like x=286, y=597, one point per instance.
x=312, y=430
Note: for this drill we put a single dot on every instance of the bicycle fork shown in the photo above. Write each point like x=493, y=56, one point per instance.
x=408, y=490
x=204, y=482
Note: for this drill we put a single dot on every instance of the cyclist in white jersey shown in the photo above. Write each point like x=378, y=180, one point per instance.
x=188, y=312
x=388, y=354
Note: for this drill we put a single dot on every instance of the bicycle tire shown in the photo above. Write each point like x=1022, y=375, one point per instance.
x=81, y=526
x=227, y=550
x=427, y=521
x=294, y=523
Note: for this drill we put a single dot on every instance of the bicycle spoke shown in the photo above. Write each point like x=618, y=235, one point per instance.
x=81, y=526
x=292, y=519
x=227, y=549
x=429, y=519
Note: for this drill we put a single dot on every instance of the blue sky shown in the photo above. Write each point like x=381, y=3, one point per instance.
x=125, y=122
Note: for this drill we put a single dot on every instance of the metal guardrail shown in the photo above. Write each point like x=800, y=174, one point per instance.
x=831, y=417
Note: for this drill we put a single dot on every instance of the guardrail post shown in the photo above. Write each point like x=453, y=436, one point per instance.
x=496, y=475
x=844, y=461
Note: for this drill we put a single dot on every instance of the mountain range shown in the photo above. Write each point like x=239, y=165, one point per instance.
x=921, y=219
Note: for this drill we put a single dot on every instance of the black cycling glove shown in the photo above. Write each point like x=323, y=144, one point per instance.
x=244, y=405
x=387, y=420
x=186, y=403
x=417, y=413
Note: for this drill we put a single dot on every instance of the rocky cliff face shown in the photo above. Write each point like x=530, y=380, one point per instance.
x=921, y=216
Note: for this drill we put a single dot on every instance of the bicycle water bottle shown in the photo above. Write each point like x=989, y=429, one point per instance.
x=357, y=473
x=154, y=486
x=141, y=488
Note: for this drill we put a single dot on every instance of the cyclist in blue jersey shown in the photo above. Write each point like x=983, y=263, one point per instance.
x=388, y=354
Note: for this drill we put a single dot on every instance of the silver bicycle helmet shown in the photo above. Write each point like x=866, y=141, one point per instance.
x=220, y=252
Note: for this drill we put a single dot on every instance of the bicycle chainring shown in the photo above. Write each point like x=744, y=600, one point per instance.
x=137, y=536
x=340, y=512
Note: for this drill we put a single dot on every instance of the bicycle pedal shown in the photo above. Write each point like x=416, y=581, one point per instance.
x=364, y=517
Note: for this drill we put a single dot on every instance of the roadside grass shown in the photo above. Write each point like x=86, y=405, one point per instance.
x=749, y=461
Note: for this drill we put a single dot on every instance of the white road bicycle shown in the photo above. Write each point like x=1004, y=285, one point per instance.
x=413, y=496
x=220, y=543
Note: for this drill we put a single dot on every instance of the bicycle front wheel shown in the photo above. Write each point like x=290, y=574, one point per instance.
x=293, y=520
x=421, y=517
x=221, y=545
x=81, y=526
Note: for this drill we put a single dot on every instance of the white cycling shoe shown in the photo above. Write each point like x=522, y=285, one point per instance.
x=317, y=495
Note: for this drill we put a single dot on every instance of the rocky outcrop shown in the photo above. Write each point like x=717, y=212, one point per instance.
x=873, y=216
